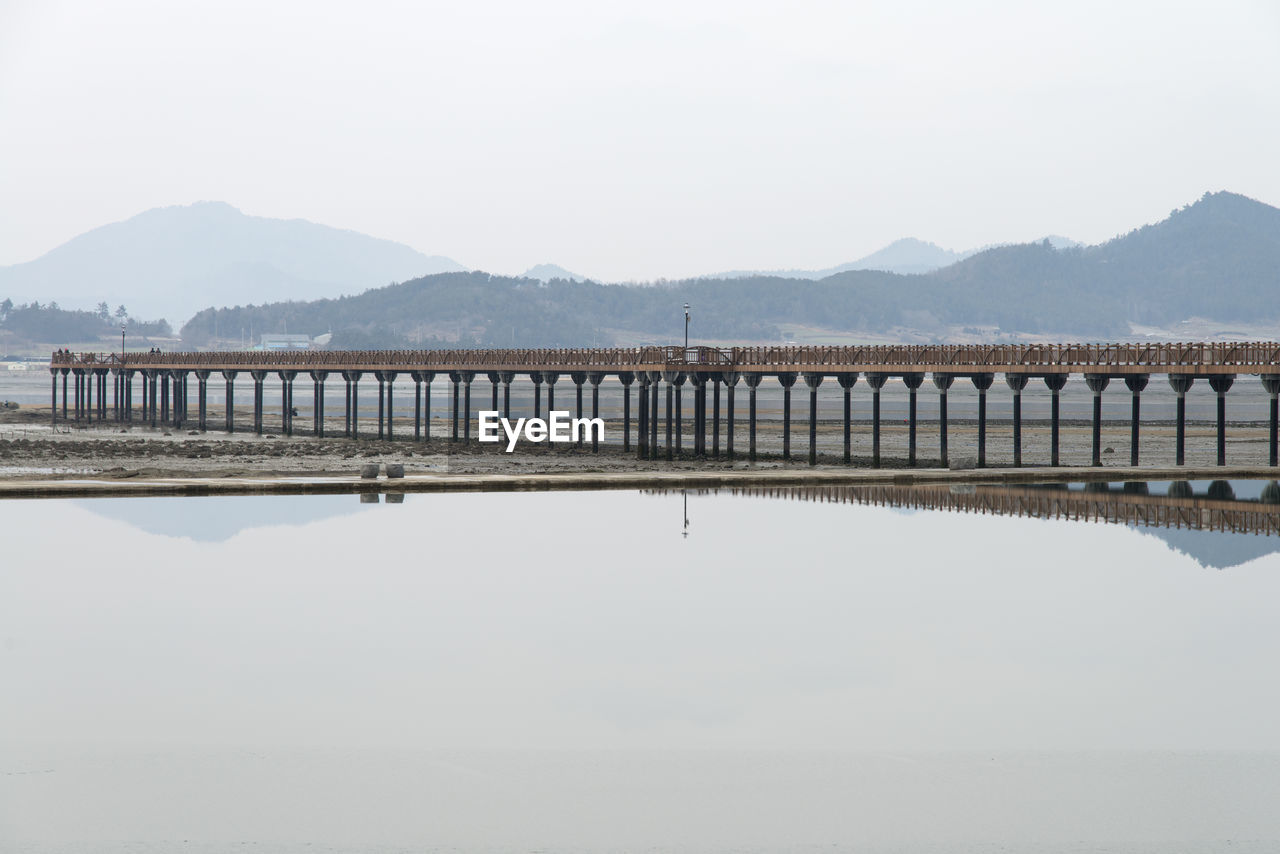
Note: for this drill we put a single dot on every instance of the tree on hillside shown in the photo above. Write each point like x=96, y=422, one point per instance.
x=104, y=311
x=121, y=313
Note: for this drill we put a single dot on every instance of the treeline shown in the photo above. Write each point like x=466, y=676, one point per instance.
x=48, y=323
x=477, y=309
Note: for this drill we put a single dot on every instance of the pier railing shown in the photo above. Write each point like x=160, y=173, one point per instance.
x=1167, y=357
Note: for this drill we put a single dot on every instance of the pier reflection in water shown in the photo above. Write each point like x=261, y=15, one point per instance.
x=566, y=671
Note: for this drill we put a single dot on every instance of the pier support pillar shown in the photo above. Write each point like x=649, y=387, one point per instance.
x=699, y=383
x=286, y=401
x=382, y=402
x=595, y=378
x=1055, y=382
x=642, y=415
x=578, y=378
x=535, y=377
x=229, y=410
x=1017, y=382
x=1271, y=383
x=64, y=372
x=626, y=378
x=506, y=377
x=1221, y=383
x=753, y=382
x=679, y=418
x=202, y=399
x=912, y=381
x=730, y=380
x=1181, y=384
x=786, y=379
x=673, y=379
x=1135, y=383
x=1097, y=384
x=982, y=382
x=164, y=396
x=258, y=397
x=813, y=381
x=422, y=404
x=467, y=377
x=153, y=378
x=317, y=403
x=847, y=381
x=876, y=381
x=495, y=379
x=715, y=415
x=455, y=391
x=53, y=399
x=353, y=402
x=550, y=378
x=943, y=382
x=654, y=378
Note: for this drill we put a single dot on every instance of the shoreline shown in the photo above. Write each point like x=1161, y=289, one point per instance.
x=26, y=488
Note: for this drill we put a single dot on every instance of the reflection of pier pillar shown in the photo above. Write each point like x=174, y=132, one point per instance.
x=943, y=382
x=982, y=382
x=876, y=381
x=730, y=379
x=813, y=381
x=1097, y=383
x=626, y=378
x=1221, y=383
x=1017, y=382
x=1055, y=382
x=847, y=381
x=753, y=382
x=786, y=380
x=1181, y=383
x=1271, y=382
x=1135, y=383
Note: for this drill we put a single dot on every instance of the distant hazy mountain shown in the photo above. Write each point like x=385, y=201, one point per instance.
x=547, y=272
x=906, y=256
x=172, y=262
x=1217, y=258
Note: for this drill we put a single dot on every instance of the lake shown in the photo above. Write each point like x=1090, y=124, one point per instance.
x=617, y=671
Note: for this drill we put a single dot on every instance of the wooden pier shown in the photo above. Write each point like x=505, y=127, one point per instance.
x=166, y=393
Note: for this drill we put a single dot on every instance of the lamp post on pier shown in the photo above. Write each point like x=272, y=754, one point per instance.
x=686, y=327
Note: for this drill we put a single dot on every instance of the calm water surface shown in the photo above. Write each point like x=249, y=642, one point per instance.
x=571, y=672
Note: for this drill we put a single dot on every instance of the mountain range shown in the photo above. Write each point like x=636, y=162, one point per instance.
x=171, y=262
x=1216, y=258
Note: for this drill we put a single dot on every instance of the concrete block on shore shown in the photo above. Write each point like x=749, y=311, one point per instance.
x=395, y=469
x=369, y=471
x=962, y=462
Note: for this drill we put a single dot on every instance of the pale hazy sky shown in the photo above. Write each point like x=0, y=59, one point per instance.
x=659, y=139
